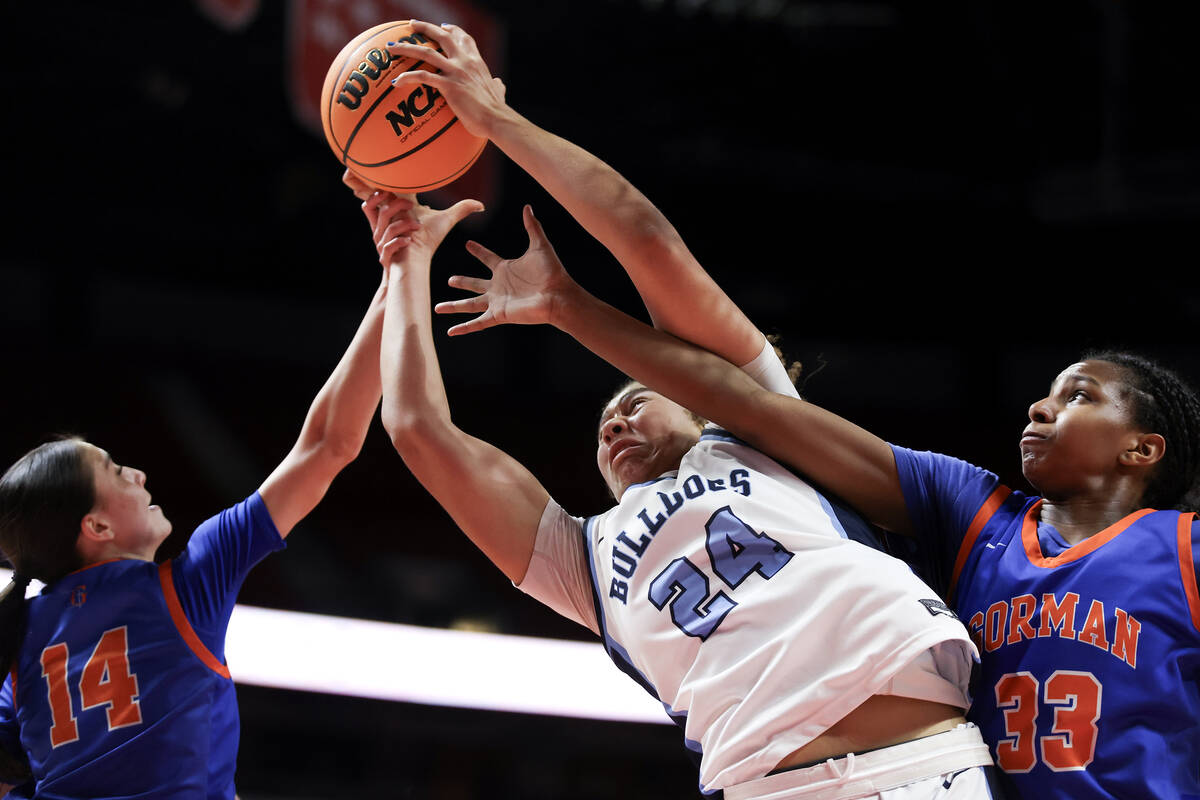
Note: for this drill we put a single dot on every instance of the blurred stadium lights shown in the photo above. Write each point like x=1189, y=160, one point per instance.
x=411, y=664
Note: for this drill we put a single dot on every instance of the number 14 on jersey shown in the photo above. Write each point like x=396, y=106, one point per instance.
x=106, y=680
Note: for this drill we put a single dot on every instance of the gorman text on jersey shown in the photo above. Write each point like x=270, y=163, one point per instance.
x=1024, y=617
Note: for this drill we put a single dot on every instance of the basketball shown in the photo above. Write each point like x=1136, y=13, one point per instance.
x=402, y=139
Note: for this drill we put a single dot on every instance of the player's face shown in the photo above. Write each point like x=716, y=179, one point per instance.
x=123, y=503
x=642, y=435
x=1075, y=435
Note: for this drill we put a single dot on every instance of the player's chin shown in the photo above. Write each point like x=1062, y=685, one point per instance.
x=620, y=483
x=1029, y=467
x=632, y=472
x=1037, y=471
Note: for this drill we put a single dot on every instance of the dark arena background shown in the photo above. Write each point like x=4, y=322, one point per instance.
x=936, y=205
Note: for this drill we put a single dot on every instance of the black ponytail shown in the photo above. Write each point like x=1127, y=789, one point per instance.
x=14, y=769
x=43, y=498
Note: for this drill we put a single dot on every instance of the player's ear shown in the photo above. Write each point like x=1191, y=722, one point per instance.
x=1146, y=450
x=94, y=528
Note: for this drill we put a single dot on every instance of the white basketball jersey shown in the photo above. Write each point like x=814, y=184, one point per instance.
x=730, y=591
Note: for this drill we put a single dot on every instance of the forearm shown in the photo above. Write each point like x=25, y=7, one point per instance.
x=681, y=297
x=848, y=460
x=691, y=376
x=607, y=205
x=334, y=429
x=341, y=413
x=413, y=390
x=494, y=500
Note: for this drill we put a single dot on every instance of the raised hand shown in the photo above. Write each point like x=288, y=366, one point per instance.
x=463, y=77
x=362, y=190
x=392, y=223
x=528, y=290
x=399, y=222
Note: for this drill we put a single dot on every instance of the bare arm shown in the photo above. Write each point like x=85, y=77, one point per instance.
x=851, y=462
x=490, y=496
x=334, y=429
x=533, y=289
x=680, y=296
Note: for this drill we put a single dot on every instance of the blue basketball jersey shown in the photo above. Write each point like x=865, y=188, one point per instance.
x=120, y=688
x=1090, y=678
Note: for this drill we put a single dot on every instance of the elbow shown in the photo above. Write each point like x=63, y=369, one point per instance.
x=655, y=237
x=342, y=450
x=335, y=450
x=409, y=431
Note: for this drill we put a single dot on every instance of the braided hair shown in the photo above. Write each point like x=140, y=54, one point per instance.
x=1163, y=403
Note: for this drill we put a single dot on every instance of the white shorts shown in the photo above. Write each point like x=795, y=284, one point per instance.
x=946, y=766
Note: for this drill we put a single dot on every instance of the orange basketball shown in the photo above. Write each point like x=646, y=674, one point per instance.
x=400, y=139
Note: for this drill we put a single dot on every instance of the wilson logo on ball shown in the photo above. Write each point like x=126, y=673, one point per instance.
x=399, y=139
x=359, y=81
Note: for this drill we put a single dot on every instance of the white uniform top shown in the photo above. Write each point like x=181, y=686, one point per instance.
x=729, y=590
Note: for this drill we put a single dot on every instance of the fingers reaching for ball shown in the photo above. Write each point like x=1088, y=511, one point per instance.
x=401, y=221
x=403, y=140
x=393, y=221
x=396, y=236
x=520, y=291
x=381, y=207
x=361, y=189
x=449, y=38
x=458, y=73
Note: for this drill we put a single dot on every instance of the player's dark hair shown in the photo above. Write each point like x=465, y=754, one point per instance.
x=1163, y=403
x=630, y=384
x=43, y=498
x=794, y=368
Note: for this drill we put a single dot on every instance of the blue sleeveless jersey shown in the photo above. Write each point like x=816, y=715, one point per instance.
x=121, y=687
x=1090, y=678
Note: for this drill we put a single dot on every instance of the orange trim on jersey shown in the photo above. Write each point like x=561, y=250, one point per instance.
x=1187, y=567
x=982, y=516
x=185, y=627
x=1033, y=547
x=93, y=564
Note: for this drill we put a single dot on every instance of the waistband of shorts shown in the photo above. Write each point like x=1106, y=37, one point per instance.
x=858, y=774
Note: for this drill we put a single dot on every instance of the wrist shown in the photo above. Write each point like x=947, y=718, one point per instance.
x=503, y=124
x=405, y=268
x=567, y=298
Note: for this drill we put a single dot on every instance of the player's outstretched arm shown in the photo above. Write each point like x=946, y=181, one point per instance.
x=846, y=459
x=518, y=291
x=334, y=429
x=489, y=495
x=340, y=415
x=681, y=297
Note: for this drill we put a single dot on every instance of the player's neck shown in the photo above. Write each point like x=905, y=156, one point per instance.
x=1078, y=520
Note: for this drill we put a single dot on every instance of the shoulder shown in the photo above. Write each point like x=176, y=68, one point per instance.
x=923, y=472
x=228, y=544
x=1187, y=532
x=249, y=514
x=244, y=520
